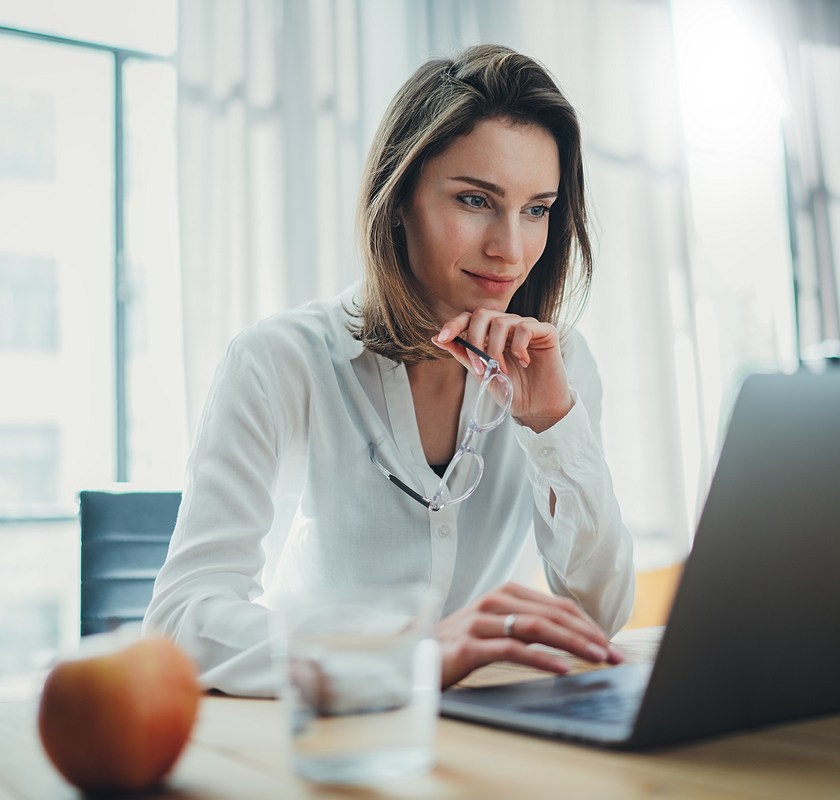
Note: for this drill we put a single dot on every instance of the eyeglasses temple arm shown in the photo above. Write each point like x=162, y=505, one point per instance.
x=470, y=346
x=394, y=479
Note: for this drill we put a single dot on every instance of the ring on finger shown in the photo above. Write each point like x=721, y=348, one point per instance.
x=507, y=626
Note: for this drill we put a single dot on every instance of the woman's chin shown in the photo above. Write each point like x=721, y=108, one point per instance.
x=445, y=311
x=497, y=304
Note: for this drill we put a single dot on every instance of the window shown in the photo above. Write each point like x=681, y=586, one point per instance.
x=90, y=359
x=744, y=316
x=28, y=303
x=29, y=455
x=27, y=128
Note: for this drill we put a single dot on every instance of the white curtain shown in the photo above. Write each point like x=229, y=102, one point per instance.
x=278, y=102
x=805, y=35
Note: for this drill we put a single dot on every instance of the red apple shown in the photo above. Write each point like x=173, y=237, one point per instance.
x=119, y=721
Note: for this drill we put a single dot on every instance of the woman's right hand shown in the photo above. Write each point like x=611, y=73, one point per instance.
x=500, y=625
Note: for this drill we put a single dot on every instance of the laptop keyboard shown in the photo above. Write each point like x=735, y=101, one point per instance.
x=607, y=706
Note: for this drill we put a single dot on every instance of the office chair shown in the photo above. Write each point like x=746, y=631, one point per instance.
x=125, y=538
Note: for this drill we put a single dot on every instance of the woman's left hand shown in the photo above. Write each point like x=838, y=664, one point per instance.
x=528, y=352
x=502, y=624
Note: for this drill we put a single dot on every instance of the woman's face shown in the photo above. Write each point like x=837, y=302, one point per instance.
x=477, y=220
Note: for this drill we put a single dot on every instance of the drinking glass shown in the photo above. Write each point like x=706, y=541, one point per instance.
x=361, y=681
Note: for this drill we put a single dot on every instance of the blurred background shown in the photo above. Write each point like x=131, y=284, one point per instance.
x=172, y=171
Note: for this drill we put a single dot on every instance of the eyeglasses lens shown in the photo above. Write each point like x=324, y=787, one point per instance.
x=493, y=402
x=463, y=476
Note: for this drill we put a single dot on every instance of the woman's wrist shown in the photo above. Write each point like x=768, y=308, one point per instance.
x=542, y=422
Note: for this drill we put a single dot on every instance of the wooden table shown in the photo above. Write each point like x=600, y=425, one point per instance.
x=239, y=751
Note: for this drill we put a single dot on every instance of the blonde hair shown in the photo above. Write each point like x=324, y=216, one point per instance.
x=441, y=101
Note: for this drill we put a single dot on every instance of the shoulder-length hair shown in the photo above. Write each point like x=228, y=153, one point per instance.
x=441, y=101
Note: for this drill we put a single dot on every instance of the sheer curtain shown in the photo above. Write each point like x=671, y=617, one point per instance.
x=278, y=102
x=803, y=37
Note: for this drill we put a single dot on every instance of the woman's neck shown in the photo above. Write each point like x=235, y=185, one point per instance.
x=437, y=389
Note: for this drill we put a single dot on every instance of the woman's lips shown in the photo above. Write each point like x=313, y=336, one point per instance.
x=496, y=284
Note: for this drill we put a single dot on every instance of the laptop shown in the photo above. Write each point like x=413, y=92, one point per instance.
x=752, y=635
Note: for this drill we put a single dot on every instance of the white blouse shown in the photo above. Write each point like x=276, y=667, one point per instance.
x=280, y=493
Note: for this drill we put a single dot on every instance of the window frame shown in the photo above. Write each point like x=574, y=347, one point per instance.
x=121, y=57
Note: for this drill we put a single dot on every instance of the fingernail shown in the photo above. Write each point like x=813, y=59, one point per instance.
x=444, y=335
x=436, y=342
x=615, y=656
x=477, y=363
x=596, y=652
x=523, y=364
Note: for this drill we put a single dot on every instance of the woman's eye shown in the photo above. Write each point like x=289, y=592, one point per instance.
x=538, y=212
x=473, y=200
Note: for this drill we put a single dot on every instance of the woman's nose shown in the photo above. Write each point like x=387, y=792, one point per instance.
x=504, y=240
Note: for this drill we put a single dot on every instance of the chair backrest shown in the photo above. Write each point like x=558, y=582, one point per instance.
x=125, y=538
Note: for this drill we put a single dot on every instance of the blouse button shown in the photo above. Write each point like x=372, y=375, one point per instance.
x=444, y=530
x=545, y=452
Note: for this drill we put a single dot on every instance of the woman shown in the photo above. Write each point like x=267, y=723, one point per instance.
x=472, y=218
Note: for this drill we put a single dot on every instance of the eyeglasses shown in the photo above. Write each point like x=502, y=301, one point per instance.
x=492, y=406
